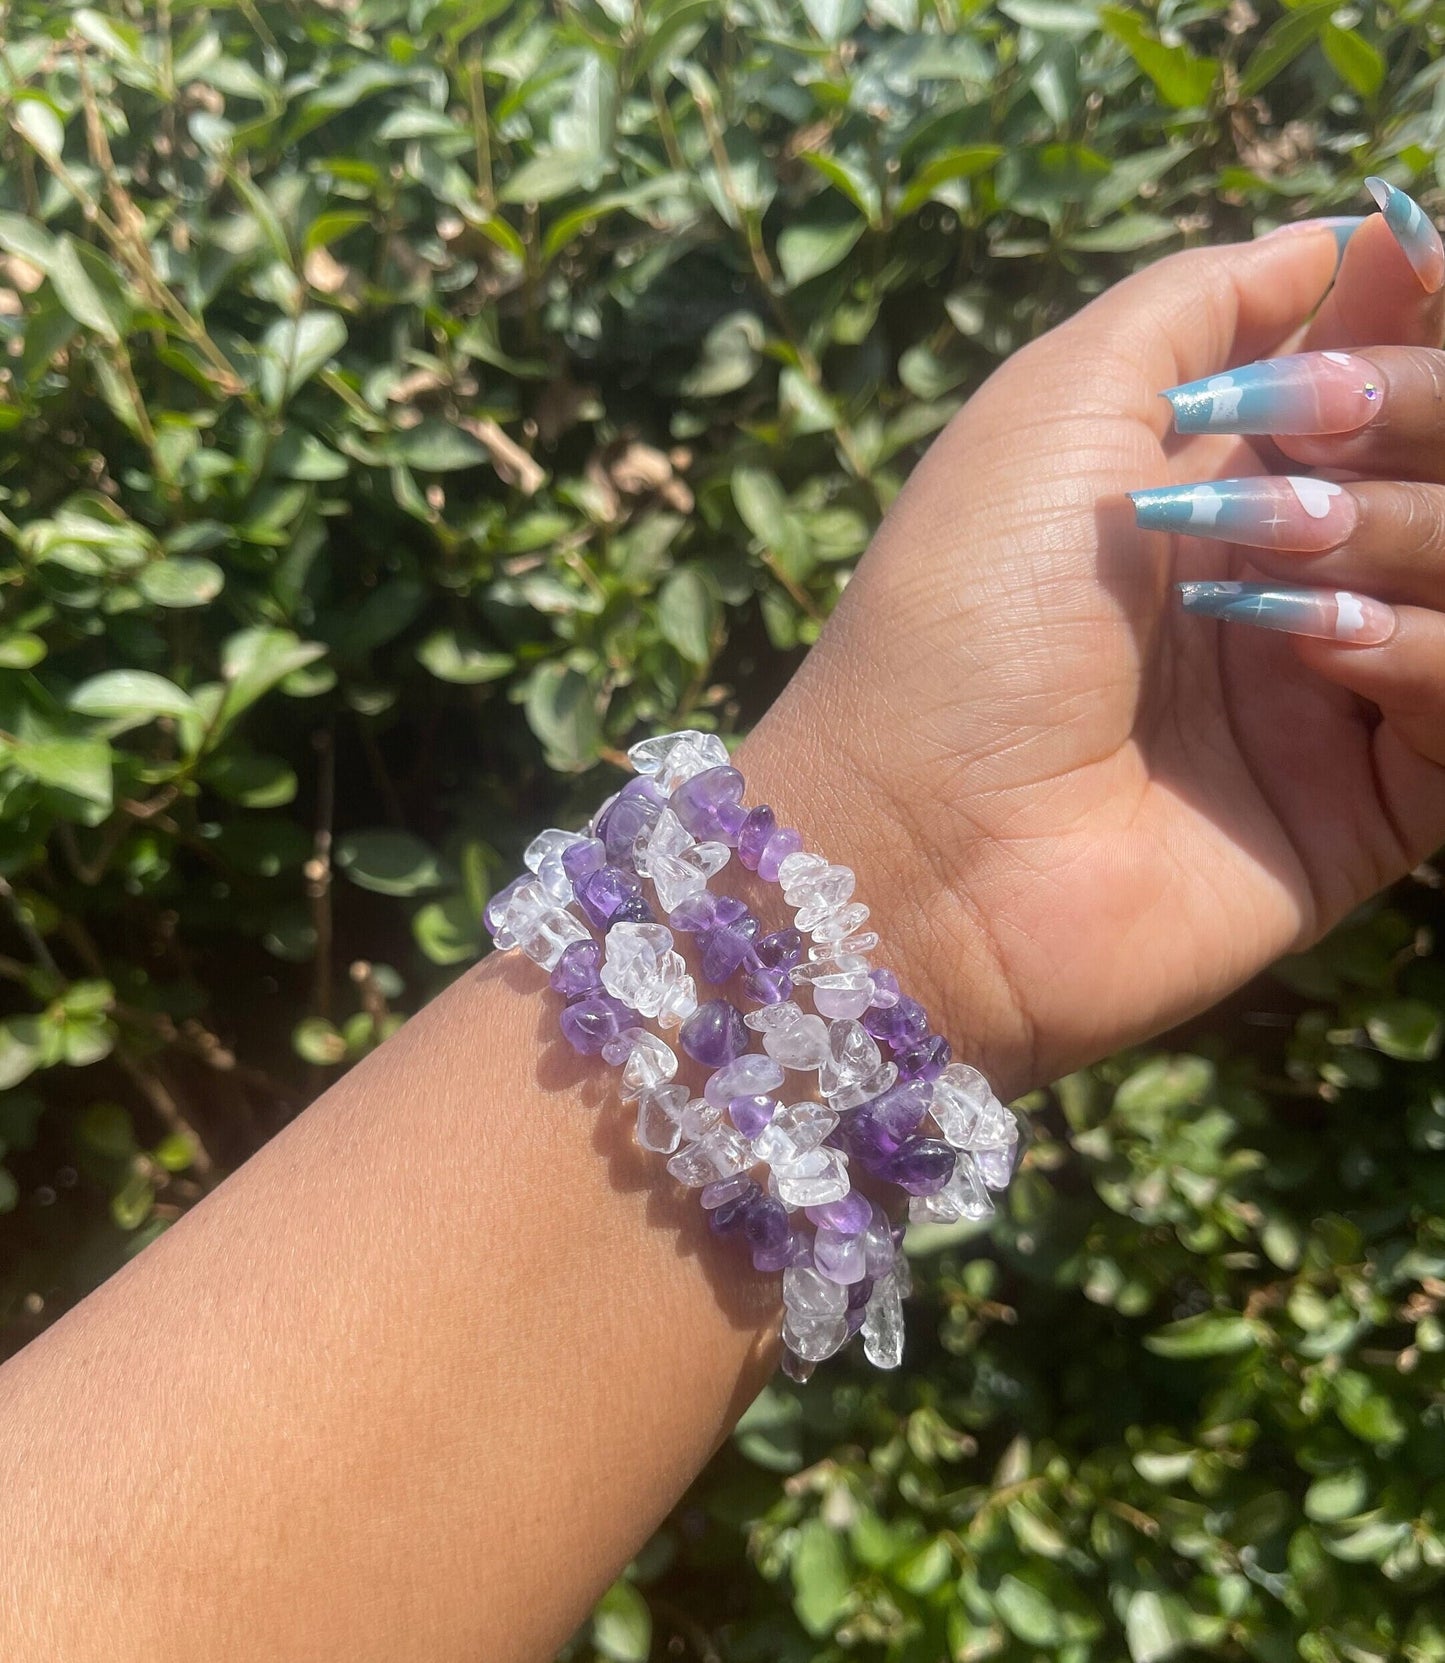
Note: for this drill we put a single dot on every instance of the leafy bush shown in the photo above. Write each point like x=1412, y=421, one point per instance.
x=407, y=400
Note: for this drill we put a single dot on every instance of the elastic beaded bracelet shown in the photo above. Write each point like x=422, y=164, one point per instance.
x=913, y=1118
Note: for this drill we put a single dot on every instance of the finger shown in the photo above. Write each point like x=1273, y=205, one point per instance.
x=1396, y=417
x=1385, y=537
x=1405, y=677
x=1388, y=290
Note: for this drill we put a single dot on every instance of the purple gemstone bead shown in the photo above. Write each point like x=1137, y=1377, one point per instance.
x=731, y=818
x=767, y=1227
x=768, y=987
x=634, y=910
x=734, y=1212
x=776, y=850
x=591, y=1022
x=921, y=1166
x=886, y=992
x=899, y=1025
x=926, y=1060
x=697, y=913
x=849, y=1217
x=899, y=1109
x=853, y=1320
x=775, y=1258
x=715, y=1033
x=723, y=950
x=753, y=838
x=605, y=891
x=781, y=950
x=635, y=811
x=577, y=970
x=581, y=860
x=751, y=1114
x=869, y=1143
x=497, y=906
x=697, y=801
x=860, y=1293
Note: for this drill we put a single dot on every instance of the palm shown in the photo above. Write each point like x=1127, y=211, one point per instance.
x=1138, y=809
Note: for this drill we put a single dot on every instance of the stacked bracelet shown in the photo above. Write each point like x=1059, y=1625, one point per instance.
x=602, y=910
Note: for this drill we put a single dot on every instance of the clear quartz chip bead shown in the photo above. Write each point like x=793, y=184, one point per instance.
x=967, y=1112
x=672, y=758
x=664, y=839
x=818, y=967
x=838, y=926
x=814, y=1338
x=766, y=1018
x=854, y=1096
x=963, y=1196
x=821, y=897
x=543, y=855
x=793, y=1130
x=719, y=1154
x=650, y=1062
x=853, y=1055
x=801, y=1044
x=796, y=868
x=540, y=927
x=750, y=1075
x=699, y=1118
x=641, y=969
x=883, y=1325
x=812, y=1179
x=675, y=877
x=659, y=1113
x=807, y=1294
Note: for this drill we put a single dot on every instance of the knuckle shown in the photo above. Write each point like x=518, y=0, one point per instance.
x=1419, y=373
x=1420, y=519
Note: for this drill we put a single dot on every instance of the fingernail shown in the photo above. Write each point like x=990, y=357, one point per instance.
x=1326, y=614
x=1312, y=392
x=1413, y=231
x=1343, y=227
x=1269, y=512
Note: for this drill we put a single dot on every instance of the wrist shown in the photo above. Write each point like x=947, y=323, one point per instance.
x=932, y=921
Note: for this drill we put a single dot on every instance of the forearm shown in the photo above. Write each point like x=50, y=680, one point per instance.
x=419, y=1377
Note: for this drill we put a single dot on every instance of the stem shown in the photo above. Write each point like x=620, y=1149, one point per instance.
x=318, y=872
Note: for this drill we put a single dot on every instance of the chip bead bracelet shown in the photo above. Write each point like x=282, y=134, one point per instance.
x=912, y=1118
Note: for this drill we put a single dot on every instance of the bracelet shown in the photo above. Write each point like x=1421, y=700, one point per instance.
x=888, y=1100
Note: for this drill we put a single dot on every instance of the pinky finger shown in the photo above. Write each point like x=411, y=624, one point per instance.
x=1404, y=676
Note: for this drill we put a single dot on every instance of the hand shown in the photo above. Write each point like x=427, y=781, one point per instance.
x=1079, y=812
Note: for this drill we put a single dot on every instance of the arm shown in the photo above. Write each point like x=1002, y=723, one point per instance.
x=422, y=1375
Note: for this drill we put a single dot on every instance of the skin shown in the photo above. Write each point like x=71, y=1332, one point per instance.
x=419, y=1378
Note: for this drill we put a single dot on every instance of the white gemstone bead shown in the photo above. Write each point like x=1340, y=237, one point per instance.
x=799, y=1045
x=996, y=1166
x=883, y=1326
x=853, y=1055
x=666, y=836
x=815, y=1340
x=833, y=963
x=815, y=1178
x=841, y=924
x=720, y=1154
x=640, y=968
x=840, y=1258
x=750, y=1075
x=822, y=897
x=700, y=1117
x=768, y=1017
x=679, y=999
x=536, y=924
x=651, y=1062
x=793, y=1130
x=798, y=866
x=666, y=752
x=807, y=1294
x=678, y=876
x=658, y=1113
x=968, y=1114
x=865, y=1090
x=848, y=994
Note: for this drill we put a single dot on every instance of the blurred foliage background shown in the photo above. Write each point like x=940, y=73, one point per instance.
x=405, y=402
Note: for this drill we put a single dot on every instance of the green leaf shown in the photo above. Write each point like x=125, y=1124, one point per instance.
x=89, y=289
x=1338, y=1495
x=760, y=500
x=687, y=614
x=317, y=1042
x=294, y=349
x=180, y=582
x=1122, y=235
x=822, y=1581
x=1282, y=44
x=1052, y=17
x=22, y=1050
x=561, y=708
x=833, y=19
x=1210, y=1334
x=37, y=119
x=1357, y=63
x=250, y=780
x=21, y=651
x=1406, y=1028
x=560, y=173
x=964, y=162
x=105, y=1129
x=452, y=656
x=436, y=446
x=622, y=1625
x=389, y=862
x=1029, y=1612
x=131, y=1205
x=1157, y=1626
x=807, y=249
x=130, y=694
x=81, y=767
x=1181, y=78
x=770, y=1433
x=448, y=931
x=255, y=660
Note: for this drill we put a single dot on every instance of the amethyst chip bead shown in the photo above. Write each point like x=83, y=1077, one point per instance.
x=714, y=1034
x=926, y=1060
x=592, y=1022
x=777, y=849
x=753, y=837
x=701, y=803
x=579, y=970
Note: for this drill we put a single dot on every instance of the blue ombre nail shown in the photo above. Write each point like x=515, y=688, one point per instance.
x=1312, y=392
x=1341, y=226
x=1413, y=230
x=1324, y=614
x=1268, y=511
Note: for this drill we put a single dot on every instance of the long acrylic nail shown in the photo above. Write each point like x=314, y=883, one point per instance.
x=1413, y=230
x=1312, y=392
x=1326, y=614
x=1268, y=512
x=1343, y=226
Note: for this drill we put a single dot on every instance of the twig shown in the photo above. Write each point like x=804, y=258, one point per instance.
x=318, y=872
x=33, y=938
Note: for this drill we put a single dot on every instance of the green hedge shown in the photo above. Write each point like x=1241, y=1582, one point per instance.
x=404, y=404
